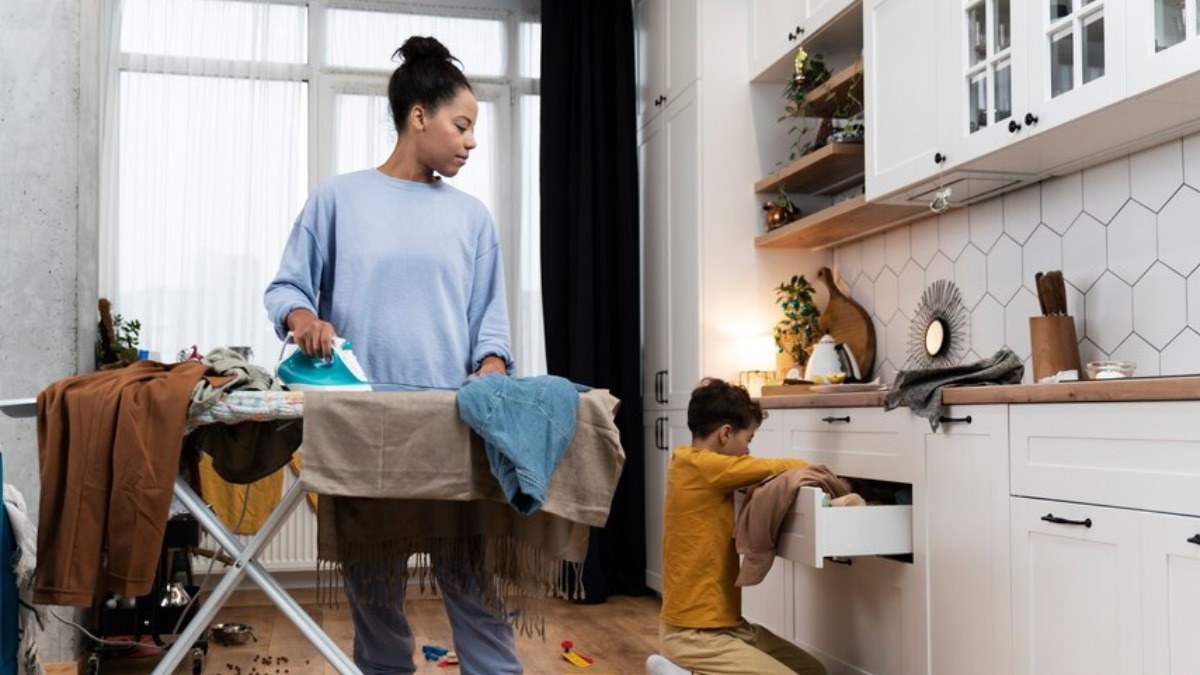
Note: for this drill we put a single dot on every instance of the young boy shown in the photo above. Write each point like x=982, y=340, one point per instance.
x=702, y=626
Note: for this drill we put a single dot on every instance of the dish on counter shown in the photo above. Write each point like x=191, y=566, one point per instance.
x=847, y=387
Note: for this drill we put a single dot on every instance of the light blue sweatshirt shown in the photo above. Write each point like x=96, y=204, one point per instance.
x=409, y=272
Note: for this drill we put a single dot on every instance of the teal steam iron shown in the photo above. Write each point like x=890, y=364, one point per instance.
x=340, y=372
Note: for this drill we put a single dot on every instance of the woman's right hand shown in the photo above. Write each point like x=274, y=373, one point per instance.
x=312, y=335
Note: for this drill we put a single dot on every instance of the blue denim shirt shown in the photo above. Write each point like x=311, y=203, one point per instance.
x=526, y=424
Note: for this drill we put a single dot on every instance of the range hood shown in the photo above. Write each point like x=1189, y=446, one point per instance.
x=966, y=187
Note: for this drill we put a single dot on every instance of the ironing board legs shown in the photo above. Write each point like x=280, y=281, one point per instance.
x=245, y=563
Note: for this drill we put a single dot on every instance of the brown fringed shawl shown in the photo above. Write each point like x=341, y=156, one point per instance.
x=404, y=475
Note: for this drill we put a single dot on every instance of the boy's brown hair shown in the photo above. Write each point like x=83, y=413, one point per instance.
x=716, y=402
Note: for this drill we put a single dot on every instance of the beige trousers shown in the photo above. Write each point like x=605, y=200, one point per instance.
x=744, y=649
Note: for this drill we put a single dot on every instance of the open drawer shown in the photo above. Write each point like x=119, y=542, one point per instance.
x=812, y=532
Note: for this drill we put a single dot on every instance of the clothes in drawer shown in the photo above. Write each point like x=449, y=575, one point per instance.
x=855, y=441
x=812, y=531
x=1143, y=455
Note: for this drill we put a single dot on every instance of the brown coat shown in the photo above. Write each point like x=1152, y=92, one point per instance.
x=108, y=447
x=758, y=524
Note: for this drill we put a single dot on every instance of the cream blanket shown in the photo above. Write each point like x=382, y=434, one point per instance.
x=406, y=475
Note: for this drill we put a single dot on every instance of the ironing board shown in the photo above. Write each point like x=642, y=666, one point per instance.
x=236, y=407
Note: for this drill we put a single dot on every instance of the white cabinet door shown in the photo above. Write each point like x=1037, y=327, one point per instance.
x=682, y=131
x=966, y=487
x=767, y=603
x=1077, y=56
x=866, y=617
x=1077, y=600
x=1164, y=42
x=1171, y=584
x=666, y=39
x=652, y=164
x=664, y=431
x=776, y=29
x=901, y=41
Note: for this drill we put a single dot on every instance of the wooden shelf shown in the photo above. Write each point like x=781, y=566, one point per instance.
x=821, y=171
x=823, y=101
x=845, y=221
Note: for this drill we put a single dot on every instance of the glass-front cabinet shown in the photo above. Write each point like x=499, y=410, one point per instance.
x=1021, y=66
x=1164, y=44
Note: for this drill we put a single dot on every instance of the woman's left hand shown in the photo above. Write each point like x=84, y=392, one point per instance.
x=492, y=365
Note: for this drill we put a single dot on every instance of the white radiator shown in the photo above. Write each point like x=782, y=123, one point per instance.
x=294, y=548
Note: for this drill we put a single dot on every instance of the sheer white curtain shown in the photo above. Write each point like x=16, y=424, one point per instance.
x=206, y=139
x=205, y=132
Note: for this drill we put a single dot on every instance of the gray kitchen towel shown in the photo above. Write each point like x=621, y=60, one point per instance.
x=921, y=390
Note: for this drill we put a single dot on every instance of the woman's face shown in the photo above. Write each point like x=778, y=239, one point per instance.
x=446, y=138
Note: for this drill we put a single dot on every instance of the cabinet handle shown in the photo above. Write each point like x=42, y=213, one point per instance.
x=1194, y=539
x=831, y=420
x=1013, y=127
x=939, y=158
x=795, y=34
x=660, y=387
x=1051, y=518
x=952, y=420
x=1030, y=119
x=660, y=434
x=841, y=561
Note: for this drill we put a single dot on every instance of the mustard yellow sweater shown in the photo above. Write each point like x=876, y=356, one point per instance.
x=700, y=563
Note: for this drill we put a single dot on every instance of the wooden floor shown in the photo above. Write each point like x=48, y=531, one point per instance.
x=618, y=635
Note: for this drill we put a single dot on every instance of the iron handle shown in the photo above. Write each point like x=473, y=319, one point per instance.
x=1030, y=119
x=1051, y=518
x=831, y=420
x=1194, y=539
x=953, y=420
x=939, y=158
x=1013, y=126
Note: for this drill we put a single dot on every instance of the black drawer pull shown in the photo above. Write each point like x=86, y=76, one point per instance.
x=660, y=434
x=841, y=561
x=1051, y=518
x=831, y=420
x=954, y=420
x=1194, y=539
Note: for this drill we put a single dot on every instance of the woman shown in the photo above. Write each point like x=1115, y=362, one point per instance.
x=408, y=269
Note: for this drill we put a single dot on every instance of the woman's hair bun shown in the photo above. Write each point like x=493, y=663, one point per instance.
x=419, y=47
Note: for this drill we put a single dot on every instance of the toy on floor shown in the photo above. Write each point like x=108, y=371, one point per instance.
x=573, y=658
x=448, y=659
x=434, y=653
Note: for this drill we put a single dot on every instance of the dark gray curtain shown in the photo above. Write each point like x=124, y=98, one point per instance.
x=591, y=277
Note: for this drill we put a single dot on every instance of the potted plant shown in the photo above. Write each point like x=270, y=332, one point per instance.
x=797, y=331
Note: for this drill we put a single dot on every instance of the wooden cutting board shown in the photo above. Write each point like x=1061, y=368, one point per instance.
x=849, y=324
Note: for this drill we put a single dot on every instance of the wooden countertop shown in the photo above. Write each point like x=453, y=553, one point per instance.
x=1180, y=388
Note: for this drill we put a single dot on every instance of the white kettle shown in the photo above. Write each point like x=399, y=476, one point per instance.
x=829, y=357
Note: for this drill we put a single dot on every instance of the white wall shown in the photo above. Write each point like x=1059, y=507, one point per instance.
x=47, y=217
x=1126, y=235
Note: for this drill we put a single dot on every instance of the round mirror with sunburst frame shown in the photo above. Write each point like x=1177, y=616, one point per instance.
x=937, y=336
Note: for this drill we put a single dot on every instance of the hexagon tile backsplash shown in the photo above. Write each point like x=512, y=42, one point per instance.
x=1126, y=235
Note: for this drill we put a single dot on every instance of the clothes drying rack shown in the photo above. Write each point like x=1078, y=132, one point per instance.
x=236, y=407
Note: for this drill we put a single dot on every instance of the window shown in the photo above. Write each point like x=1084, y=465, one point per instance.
x=219, y=117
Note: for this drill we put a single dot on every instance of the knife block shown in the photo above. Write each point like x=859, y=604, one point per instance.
x=1054, y=345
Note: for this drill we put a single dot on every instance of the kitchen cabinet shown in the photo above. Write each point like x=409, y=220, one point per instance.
x=966, y=509
x=778, y=27
x=1164, y=43
x=662, y=434
x=671, y=239
x=667, y=52
x=1076, y=589
x=1170, y=587
x=1103, y=514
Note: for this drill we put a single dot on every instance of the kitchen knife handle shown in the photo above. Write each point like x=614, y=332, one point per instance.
x=1051, y=518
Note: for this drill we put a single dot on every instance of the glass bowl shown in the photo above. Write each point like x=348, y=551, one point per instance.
x=1110, y=370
